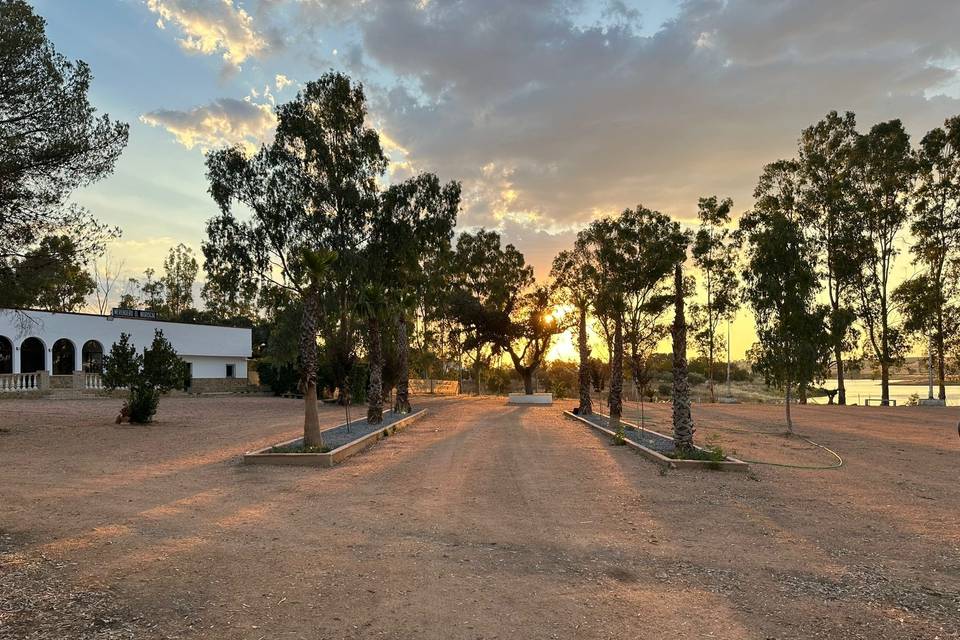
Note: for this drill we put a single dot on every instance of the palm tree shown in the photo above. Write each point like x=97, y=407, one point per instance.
x=682, y=420
x=316, y=265
x=372, y=306
x=573, y=276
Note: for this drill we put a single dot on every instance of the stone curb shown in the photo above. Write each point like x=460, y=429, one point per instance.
x=336, y=456
x=730, y=464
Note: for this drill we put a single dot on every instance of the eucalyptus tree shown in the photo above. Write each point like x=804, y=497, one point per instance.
x=307, y=199
x=825, y=164
x=530, y=330
x=410, y=235
x=714, y=254
x=931, y=299
x=573, y=274
x=53, y=143
x=179, y=273
x=487, y=283
x=634, y=254
x=781, y=284
x=498, y=305
x=884, y=170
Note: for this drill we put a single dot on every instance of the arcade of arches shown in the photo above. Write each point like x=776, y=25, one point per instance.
x=61, y=359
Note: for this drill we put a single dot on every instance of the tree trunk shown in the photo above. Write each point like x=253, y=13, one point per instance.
x=375, y=391
x=802, y=393
x=884, y=382
x=583, y=374
x=884, y=355
x=941, y=364
x=527, y=375
x=616, y=374
x=713, y=395
x=787, y=403
x=841, y=385
x=682, y=419
x=402, y=404
x=308, y=368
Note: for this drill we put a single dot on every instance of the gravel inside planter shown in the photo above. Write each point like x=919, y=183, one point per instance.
x=339, y=436
x=644, y=438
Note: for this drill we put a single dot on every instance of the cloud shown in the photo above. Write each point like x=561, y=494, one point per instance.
x=282, y=81
x=223, y=122
x=552, y=122
x=212, y=26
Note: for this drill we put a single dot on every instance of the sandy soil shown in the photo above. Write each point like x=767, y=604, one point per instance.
x=480, y=521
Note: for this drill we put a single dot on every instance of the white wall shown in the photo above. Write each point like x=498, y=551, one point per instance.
x=208, y=347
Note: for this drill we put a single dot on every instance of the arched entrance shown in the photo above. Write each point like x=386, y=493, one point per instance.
x=33, y=356
x=6, y=355
x=92, y=357
x=64, y=357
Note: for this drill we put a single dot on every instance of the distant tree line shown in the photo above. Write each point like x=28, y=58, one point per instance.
x=354, y=285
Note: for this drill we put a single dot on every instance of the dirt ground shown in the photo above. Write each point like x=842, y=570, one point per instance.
x=480, y=521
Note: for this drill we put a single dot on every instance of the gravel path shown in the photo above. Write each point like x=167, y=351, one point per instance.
x=479, y=521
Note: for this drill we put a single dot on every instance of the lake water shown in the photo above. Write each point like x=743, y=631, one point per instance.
x=859, y=390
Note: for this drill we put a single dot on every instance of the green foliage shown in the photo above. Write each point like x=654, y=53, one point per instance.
x=121, y=365
x=51, y=276
x=53, y=142
x=619, y=437
x=883, y=170
x=143, y=402
x=163, y=369
x=179, y=273
x=282, y=379
x=781, y=284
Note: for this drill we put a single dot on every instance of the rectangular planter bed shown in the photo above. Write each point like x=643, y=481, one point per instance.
x=653, y=445
x=365, y=435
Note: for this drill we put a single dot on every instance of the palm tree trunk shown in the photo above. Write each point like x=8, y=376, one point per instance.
x=375, y=391
x=616, y=374
x=308, y=368
x=402, y=404
x=682, y=419
x=583, y=374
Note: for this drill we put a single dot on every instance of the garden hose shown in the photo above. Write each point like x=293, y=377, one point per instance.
x=836, y=465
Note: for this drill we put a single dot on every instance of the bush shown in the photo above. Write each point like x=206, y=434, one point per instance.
x=695, y=378
x=121, y=366
x=664, y=390
x=280, y=378
x=142, y=403
x=162, y=367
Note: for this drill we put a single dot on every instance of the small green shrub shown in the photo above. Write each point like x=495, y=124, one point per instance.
x=618, y=438
x=913, y=400
x=142, y=403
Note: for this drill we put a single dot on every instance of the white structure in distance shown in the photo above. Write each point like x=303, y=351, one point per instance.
x=62, y=344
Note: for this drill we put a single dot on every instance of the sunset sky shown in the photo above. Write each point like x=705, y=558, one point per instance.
x=550, y=112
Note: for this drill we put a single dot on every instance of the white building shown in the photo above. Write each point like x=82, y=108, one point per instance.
x=65, y=345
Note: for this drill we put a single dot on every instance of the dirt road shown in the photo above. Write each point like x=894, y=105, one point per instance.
x=485, y=521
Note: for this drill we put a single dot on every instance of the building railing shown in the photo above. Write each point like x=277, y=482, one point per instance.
x=92, y=381
x=17, y=382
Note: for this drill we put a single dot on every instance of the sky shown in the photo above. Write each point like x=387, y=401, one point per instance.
x=550, y=112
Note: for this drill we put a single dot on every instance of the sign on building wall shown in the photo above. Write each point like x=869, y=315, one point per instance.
x=145, y=314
